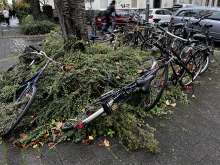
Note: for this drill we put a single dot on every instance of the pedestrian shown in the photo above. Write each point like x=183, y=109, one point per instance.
x=13, y=12
x=5, y=13
x=110, y=15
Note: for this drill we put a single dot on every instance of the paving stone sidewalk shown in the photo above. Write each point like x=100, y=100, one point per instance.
x=12, y=42
x=190, y=137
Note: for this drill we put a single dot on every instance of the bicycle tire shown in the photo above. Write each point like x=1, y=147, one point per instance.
x=158, y=85
x=29, y=93
x=205, y=65
x=195, y=66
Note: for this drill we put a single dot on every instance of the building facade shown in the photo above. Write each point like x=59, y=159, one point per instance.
x=141, y=4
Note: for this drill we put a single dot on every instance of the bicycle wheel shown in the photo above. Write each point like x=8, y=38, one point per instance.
x=195, y=64
x=205, y=64
x=147, y=44
x=179, y=31
x=156, y=88
x=16, y=111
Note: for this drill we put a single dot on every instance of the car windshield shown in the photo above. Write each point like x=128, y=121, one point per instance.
x=215, y=15
x=187, y=13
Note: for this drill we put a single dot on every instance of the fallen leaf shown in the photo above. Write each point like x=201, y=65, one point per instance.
x=114, y=107
x=86, y=141
x=35, y=146
x=68, y=67
x=117, y=77
x=167, y=102
x=59, y=125
x=41, y=143
x=46, y=135
x=50, y=144
x=23, y=136
x=91, y=138
x=104, y=143
x=140, y=71
x=173, y=105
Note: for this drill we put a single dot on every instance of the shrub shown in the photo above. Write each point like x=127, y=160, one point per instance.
x=62, y=96
x=22, y=9
x=32, y=27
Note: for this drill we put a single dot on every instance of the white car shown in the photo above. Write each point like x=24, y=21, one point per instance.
x=163, y=14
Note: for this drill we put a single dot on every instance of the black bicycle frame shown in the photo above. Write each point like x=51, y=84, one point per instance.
x=34, y=79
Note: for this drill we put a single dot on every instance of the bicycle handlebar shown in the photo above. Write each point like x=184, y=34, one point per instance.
x=39, y=52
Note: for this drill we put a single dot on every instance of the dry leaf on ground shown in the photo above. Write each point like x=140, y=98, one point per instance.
x=104, y=143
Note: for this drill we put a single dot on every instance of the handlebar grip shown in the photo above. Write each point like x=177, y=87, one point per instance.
x=34, y=48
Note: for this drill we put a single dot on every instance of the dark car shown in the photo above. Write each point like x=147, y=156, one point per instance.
x=122, y=18
x=193, y=13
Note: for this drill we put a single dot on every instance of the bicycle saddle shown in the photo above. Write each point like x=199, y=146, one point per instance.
x=199, y=37
x=156, y=20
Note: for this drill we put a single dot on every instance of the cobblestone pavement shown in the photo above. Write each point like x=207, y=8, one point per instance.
x=190, y=137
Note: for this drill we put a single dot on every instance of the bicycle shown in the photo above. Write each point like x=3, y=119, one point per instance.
x=105, y=103
x=187, y=64
x=24, y=95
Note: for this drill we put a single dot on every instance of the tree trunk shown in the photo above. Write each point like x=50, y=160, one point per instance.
x=35, y=8
x=71, y=15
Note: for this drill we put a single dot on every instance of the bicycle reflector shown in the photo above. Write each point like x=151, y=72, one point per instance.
x=80, y=125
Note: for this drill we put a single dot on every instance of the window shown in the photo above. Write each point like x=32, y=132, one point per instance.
x=166, y=12
x=218, y=4
x=185, y=13
x=215, y=15
x=103, y=4
x=181, y=13
x=159, y=12
x=134, y=3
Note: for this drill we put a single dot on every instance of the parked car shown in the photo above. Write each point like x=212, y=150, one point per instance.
x=163, y=14
x=193, y=13
x=122, y=18
x=178, y=6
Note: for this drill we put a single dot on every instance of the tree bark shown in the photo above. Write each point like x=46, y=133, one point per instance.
x=71, y=15
x=35, y=8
